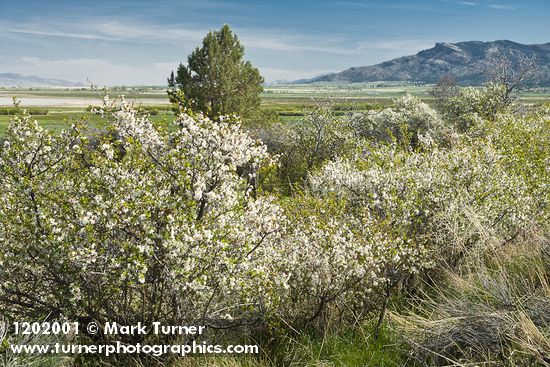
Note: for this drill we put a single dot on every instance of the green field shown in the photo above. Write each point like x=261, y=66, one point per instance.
x=59, y=118
x=289, y=101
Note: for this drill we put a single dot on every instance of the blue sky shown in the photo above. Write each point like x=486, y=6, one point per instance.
x=130, y=42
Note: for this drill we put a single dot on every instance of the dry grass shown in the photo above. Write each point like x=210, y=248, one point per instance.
x=494, y=310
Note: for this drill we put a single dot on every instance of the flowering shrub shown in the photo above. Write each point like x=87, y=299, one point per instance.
x=470, y=106
x=406, y=122
x=421, y=200
x=142, y=225
x=322, y=135
x=329, y=263
x=148, y=223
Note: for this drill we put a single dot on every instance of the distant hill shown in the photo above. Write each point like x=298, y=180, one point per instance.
x=12, y=80
x=467, y=61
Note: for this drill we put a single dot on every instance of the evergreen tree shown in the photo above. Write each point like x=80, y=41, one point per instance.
x=216, y=79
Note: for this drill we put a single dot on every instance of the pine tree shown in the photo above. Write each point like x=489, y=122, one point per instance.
x=216, y=79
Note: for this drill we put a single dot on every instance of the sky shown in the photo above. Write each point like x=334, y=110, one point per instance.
x=138, y=42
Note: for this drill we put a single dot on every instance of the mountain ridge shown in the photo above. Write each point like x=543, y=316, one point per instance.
x=469, y=62
x=14, y=80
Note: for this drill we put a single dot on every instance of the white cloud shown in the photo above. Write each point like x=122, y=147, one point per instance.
x=104, y=72
x=292, y=45
x=146, y=31
x=502, y=7
x=17, y=28
x=98, y=71
x=251, y=38
x=389, y=6
x=116, y=30
x=472, y=3
x=105, y=30
x=459, y=2
x=274, y=74
x=384, y=50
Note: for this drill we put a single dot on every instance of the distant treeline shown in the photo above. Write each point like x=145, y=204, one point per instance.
x=14, y=110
